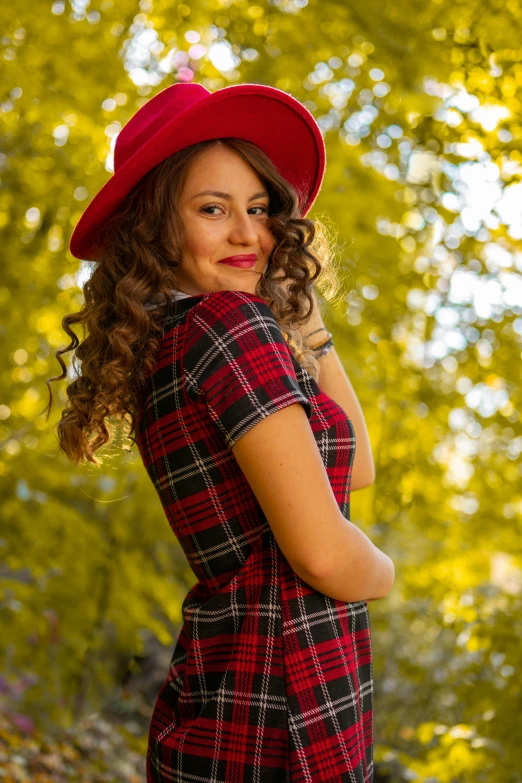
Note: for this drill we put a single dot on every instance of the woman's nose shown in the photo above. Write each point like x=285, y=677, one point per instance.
x=244, y=230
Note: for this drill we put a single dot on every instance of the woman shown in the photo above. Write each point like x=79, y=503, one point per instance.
x=200, y=335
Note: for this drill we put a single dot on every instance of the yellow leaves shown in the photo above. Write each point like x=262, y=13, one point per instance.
x=425, y=732
x=451, y=753
x=413, y=219
x=32, y=343
x=21, y=374
x=474, y=644
x=284, y=83
x=20, y=356
x=408, y=484
x=456, y=56
x=28, y=405
x=460, y=758
x=478, y=80
x=383, y=347
x=508, y=87
x=494, y=381
x=260, y=28
x=49, y=324
x=255, y=11
x=507, y=409
x=468, y=614
x=439, y=33
x=55, y=238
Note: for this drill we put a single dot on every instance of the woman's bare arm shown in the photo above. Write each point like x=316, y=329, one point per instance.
x=281, y=461
x=335, y=383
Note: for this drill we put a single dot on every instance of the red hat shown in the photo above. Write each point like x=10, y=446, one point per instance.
x=184, y=114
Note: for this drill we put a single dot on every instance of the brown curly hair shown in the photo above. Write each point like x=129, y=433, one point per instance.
x=141, y=252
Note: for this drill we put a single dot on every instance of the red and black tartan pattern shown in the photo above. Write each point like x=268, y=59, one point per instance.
x=270, y=680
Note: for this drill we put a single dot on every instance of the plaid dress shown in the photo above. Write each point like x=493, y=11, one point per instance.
x=270, y=680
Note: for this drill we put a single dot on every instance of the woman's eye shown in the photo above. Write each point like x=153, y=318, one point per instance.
x=218, y=206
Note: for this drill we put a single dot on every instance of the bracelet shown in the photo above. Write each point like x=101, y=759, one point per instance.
x=329, y=335
x=321, y=328
x=323, y=349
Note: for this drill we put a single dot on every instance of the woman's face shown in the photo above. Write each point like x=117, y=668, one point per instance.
x=231, y=221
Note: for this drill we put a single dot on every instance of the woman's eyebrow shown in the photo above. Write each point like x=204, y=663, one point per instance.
x=220, y=194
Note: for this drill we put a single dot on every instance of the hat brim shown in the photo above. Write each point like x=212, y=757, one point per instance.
x=270, y=118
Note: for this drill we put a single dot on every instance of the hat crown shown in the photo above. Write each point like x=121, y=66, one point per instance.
x=153, y=115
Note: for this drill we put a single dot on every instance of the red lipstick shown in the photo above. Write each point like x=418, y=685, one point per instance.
x=242, y=261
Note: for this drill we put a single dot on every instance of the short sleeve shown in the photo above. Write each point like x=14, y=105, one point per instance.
x=237, y=360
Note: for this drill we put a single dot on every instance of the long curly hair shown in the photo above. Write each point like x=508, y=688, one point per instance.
x=138, y=261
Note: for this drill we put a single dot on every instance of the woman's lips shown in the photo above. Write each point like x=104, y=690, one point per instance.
x=245, y=262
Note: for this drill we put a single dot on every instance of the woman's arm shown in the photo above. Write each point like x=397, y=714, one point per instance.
x=336, y=384
x=280, y=460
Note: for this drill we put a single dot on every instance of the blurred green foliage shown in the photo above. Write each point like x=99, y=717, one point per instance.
x=420, y=107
